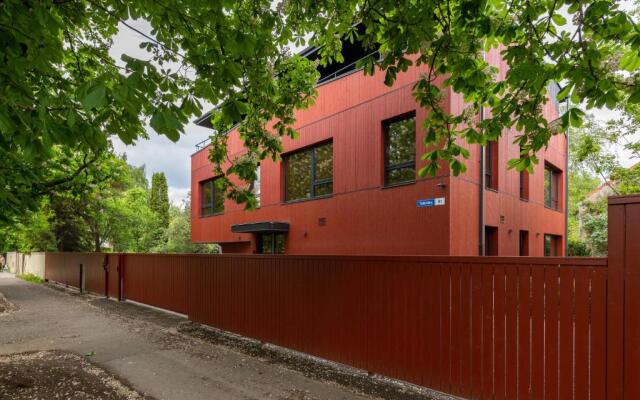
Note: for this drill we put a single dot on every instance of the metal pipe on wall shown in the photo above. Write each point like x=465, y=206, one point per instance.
x=481, y=200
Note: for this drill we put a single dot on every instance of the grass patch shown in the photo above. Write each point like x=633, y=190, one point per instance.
x=30, y=278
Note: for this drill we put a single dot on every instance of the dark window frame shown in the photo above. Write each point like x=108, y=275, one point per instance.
x=205, y=205
x=388, y=168
x=491, y=165
x=554, y=245
x=313, y=181
x=523, y=243
x=524, y=185
x=552, y=199
x=491, y=240
x=273, y=236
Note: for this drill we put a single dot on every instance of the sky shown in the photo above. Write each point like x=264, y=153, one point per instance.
x=159, y=154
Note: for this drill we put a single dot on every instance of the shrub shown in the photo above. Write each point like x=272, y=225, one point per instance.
x=30, y=278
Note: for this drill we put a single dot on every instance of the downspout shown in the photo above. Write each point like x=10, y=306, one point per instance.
x=481, y=202
x=566, y=190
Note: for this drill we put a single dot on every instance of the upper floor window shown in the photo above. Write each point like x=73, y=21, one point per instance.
x=309, y=173
x=211, y=198
x=524, y=185
x=255, y=186
x=491, y=165
x=400, y=150
x=551, y=187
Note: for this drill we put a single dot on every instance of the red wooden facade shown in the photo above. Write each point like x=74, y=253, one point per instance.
x=364, y=217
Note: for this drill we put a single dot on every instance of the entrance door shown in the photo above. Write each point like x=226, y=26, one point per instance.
x=270, y=243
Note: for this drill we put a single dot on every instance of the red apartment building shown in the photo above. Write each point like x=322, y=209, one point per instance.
x=349, y=184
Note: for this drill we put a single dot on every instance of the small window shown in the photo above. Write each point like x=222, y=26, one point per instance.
x=400, y=151
x=490, y=241
x=551, y=187
x=523, y=243
x=524, y=185
x=491, y=165
x=211, y=198
x=309, y=173
x=552, y=245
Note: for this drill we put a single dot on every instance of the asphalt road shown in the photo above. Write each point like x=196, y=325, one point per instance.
x=144, y=348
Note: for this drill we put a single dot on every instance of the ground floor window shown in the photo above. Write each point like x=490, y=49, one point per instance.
x=271, y=243
x=490, y=241
x=552, y=245
x=523, y=243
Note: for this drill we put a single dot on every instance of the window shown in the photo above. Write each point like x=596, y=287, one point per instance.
x=211, y=198
x=490, y=241
x=309, y=173
x=551, y=187
x=400, y=150
x=491, y=165
x=271, y=243
x=255, y=186
x=552, y=245
x=523, y=243
x=524, y=185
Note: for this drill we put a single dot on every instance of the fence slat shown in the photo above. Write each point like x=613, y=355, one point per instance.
x=537, y=332
x=488, y=313
x=598, y=333
x=524, y=332
x=476, y=332
x=582, y=336
x=499, y=338
x=551, y=332
x=566, y=333
x=512, y=333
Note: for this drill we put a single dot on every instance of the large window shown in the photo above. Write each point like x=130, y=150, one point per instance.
x=309, y=173
x=211, y=198
x=551, y=187
x=400, y=151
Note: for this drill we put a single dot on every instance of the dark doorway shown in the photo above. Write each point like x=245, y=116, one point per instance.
x=270, y=243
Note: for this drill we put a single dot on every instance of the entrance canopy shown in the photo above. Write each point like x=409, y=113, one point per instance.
x=261, y=227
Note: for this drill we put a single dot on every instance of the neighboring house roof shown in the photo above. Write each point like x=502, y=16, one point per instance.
x=605, y=190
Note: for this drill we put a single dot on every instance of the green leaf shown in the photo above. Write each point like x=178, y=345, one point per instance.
x=559, y=19
x=630, y=61
x=95, y=97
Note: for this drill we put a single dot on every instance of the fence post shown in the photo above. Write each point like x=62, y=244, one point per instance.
x=623, y=299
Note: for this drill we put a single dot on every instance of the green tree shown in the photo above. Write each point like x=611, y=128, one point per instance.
x=159, y=197
x=58, y=85
x=177, y=237
x=594, y=161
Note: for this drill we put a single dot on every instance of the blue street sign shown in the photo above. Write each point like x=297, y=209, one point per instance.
x=425, y=203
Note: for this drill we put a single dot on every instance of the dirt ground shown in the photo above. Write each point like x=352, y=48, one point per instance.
x=58, y=375
x=164, y=356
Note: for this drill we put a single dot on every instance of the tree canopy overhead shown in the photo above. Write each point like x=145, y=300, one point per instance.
x=60, y=90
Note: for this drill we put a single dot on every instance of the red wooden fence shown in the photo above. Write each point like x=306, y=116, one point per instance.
x=476, y=327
